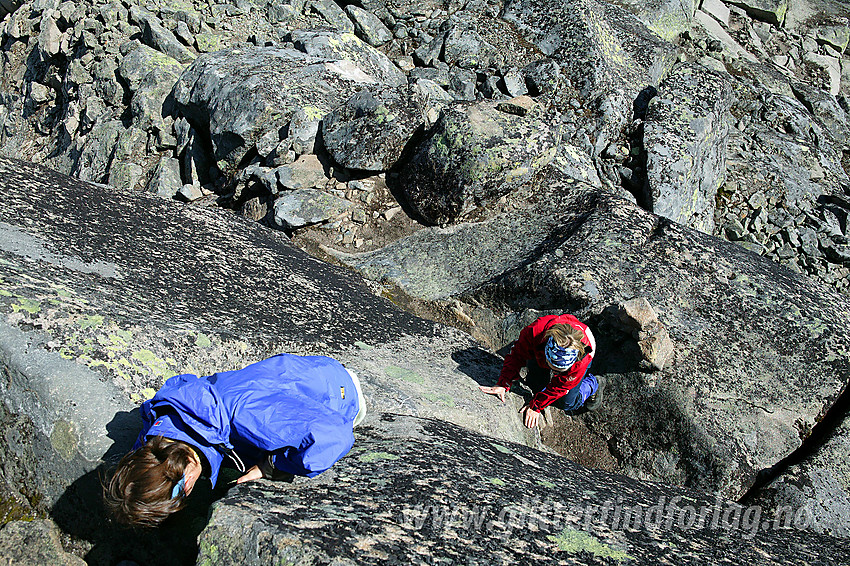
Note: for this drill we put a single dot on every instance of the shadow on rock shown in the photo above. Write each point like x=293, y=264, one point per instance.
x=480, y=365
x=80, y=513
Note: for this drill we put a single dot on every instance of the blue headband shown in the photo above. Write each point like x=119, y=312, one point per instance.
x=559, y=357
x=179, y=488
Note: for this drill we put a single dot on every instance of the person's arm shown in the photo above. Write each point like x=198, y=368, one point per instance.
x=521, y=352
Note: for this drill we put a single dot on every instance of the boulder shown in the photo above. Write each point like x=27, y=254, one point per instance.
x=143, y=60
x=423, y=491
x=124, y=175
x=333, y=15
x=347, y=47
x=303, y=207
x=667, y=18
x=240, y=95
x=685, y=136
x=605, y=53
x=371, y=130
x=826, y=110
x=472, y=156
x=770, y=11
x=728, y=44
x=165, y=181
x=637, y=317
x=95, y=151
x=305, y=172
x=464, y=46
x=151, y=101
x=161, y=39
x=368, y=26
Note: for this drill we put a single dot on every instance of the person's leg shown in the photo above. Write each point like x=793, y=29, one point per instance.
x=537, y=377
x=575, y=397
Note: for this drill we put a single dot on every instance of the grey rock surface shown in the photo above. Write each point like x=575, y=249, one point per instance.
x=821, y=483
x=371, y=129
x=33, y=543
x=685, y=134
x=368, y=26
x=303, y=207
x=488, y=502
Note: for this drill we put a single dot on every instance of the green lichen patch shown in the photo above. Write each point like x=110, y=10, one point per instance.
x=11, y=509
x=500, y=448
x=28, y=305
x=64, y=440
x=370, y=457
x=573, y=541
x=90, y=321
x=439, y=399
x=497, y=481
x=202, y=340
x=396, y=372
x=546, y=484
x=151, y=361
x=363, y=345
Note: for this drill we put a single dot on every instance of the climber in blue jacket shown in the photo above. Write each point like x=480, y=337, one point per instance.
x=287, y=415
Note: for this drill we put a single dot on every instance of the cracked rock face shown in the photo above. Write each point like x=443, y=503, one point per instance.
x=490, y=502
x=729, y=314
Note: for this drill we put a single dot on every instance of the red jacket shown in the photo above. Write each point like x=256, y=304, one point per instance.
x=531, y=344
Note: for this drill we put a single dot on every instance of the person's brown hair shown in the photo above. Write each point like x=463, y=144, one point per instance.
x=567, y=336
x=139, y=492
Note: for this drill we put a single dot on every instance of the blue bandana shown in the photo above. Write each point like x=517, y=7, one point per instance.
x=559, y=357
x=179, y=488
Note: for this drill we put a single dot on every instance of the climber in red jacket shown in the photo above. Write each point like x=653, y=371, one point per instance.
x=558, y=350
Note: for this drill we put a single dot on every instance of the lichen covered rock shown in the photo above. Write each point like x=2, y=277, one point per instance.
x=685, y=135
x=419, y=491
x=473, y=155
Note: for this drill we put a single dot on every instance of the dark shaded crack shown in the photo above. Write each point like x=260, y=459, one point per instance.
x=821, y=433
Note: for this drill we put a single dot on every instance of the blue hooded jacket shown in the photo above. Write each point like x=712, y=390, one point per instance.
x=300, y=408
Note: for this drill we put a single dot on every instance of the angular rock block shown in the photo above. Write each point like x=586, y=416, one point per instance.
x=240, y=95
x=685, y=136
x=770, y=11
x=473, y=155
x=370, y=130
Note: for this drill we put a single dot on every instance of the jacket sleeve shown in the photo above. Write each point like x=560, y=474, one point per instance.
x=560, y=385
x=327, y=442
x=521, y=352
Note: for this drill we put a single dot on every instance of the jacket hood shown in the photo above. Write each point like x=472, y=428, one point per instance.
x=189, y=409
